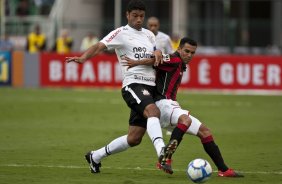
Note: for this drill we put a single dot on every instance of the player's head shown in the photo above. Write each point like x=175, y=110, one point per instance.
x=187, y=49
x=153, y=24
x=135, y=13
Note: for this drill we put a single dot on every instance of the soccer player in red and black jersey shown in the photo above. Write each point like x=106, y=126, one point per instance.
x=168, y=79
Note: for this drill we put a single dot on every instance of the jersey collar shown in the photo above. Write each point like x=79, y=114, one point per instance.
x=132, y=29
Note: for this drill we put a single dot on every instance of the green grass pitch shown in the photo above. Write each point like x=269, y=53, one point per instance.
x=44, y=134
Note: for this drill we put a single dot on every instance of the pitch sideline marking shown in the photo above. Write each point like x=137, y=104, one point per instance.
x=121, y=168
x=120, y=101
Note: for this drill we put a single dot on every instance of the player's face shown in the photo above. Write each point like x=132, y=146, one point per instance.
x=135, y=18
x=187, y=52
x=153, y=26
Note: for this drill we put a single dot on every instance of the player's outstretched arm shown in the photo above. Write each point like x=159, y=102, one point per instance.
x=89, y=53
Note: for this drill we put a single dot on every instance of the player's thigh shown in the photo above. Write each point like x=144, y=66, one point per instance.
x=194, y=127
x=170, y=112
x=151, y=110
x=138, y=97
x=137, y=119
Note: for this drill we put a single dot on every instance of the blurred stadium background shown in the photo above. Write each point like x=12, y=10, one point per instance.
x=220, y=26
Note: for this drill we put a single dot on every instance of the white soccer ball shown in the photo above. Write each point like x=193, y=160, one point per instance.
x=199, y=170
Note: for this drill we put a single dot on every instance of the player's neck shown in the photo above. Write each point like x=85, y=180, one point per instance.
x=135, y=28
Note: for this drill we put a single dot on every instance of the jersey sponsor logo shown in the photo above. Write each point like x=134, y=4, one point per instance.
x=113, y=35
x=166, y=57
x=143, y=78
x=139, y=49
x=140, y=53
x=145, y=92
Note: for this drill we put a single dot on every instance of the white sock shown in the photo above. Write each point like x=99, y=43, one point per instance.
x=154, y=131
x=117, y=145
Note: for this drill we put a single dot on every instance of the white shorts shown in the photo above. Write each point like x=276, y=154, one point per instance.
x=170, y=113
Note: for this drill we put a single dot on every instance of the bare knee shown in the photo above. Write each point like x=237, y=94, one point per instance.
x=133, y=140
x=151, y=110
x=135, y=135
x=185, y=119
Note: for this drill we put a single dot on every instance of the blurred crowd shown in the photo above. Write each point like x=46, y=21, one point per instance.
x=28, y=7
x=36, y=40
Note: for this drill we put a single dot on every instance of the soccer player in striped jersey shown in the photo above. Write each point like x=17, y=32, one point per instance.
x=168, y=79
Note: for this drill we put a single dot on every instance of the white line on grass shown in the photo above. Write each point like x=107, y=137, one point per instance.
x=86, y=100
x=122, y=168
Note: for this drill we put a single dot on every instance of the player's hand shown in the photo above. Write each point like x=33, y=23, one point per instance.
x=158, y=57
x=126, y=61
x=74, y=59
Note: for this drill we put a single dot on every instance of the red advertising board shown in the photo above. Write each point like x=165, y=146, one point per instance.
x=101, y=71
x=234, y=72
x=204, y=72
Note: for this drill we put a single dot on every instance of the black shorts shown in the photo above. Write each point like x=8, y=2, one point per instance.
x=137, y=97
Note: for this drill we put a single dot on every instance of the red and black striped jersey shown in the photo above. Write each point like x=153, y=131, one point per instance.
x=168, y=78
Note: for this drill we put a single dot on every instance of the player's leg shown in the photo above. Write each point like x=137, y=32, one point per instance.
x=139, y=98
x=165, y=159
x=184, y=122
x=172, y=115
x=136, y=131
x=213, y=151
x=153, y=127
x=211, y=147
x=134, y=137
x=94, y=157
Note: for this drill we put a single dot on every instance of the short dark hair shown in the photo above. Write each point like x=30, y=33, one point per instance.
x=187, y=40
x=136, y=5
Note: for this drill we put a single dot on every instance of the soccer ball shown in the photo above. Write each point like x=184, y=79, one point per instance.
x=199, y=170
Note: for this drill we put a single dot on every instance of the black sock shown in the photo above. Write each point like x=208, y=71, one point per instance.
x=213, y=151
x=178, y=132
